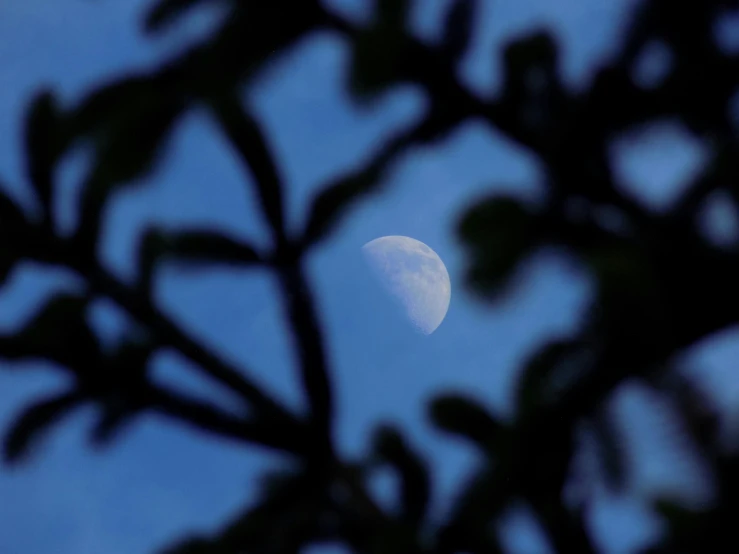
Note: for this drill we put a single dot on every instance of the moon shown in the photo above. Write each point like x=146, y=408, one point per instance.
x=415, y=277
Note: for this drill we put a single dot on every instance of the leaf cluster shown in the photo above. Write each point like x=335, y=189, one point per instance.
x=660, y=285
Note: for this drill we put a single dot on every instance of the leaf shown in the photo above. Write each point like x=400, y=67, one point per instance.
x=468, y=522
x=378, y=61
x=210, y=246
x=193, y=545
x=463, y=416
x=8, y=261
x=44, y=144
x=281, y=522
x=458, y=29
x=62, y=316
x=530, y=65
x=102, y=109
x=390, y=446
x=15, y=241
x=334, y=201
x=611, y=449
x=133, y=354
x=379, y=52
x=128, y=123
x=537, y=381
x=191, y=246
x=112, y=420
x=499, y=234
x=35, y=421
x=152, y=247
x=59, y=332
x=164, y=13
x=394, y=538
x=393, y=13
x=11, y=245
x=698, y=413
x=630, y=303
x=11, y=215
x=679, y=518
x=119, y=386
x=247, y=137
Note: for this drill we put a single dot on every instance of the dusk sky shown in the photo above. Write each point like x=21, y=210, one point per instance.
x=160, y=480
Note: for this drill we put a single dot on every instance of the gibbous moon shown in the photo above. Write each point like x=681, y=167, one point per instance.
x=414, y=275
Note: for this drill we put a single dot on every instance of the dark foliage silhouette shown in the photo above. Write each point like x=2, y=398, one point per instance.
x=660, y=285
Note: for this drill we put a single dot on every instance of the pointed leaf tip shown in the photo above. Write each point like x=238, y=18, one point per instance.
x=35, y=421
x=465, y=417
x=458, y=28
x=44, y=144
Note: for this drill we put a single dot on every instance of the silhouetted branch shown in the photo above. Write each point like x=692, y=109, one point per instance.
x=338, y=195
x=169, y=334
x=245, y=135
x=250, y=143
x=659, y=287
x=207, y=417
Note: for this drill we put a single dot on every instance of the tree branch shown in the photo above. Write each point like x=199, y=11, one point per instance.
x=167, y=333
x=209, y=418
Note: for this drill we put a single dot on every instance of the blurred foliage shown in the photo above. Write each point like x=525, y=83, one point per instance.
x=660, y=285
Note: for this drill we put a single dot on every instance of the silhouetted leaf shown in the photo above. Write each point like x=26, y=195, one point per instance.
x=59, y=332
x=392, y=13
x=11, y=249
x=210, y=246
x=152, y=248
x=119, y=387
x=193, y=246
x=611, y=449
x=655, y=296
x=530, y=65
x=458, y=28
x=98, y=113
x=11, y=215
x=16, y=243
x=379, y=53
x=165, y=12
x=415, y=483
x=468, y=525
x=620, y=270
x=499, y=233
x=465, y=417
x=193, y=546
x=34, y=421
x=281, y=522
x=678, y=517
x=331, y=203
x=129, y=123
x=7, y=263
x=112, y=420
x=247, y=137
x=629, y=300
x=698, y=413
x=396, y=538
x=44, y=141
x=538, y=380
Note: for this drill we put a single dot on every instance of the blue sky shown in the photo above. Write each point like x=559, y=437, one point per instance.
x=161, y=480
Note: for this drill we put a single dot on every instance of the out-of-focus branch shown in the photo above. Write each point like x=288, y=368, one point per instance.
x=207, y=417
x=167, y=333
x=428, y=67
x=244, y=133
x=250, y=142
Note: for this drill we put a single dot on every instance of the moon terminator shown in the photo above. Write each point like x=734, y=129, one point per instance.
x=415, y=277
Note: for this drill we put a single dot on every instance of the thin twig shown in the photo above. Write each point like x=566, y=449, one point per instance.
x=210, y=418
x=167, y=333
